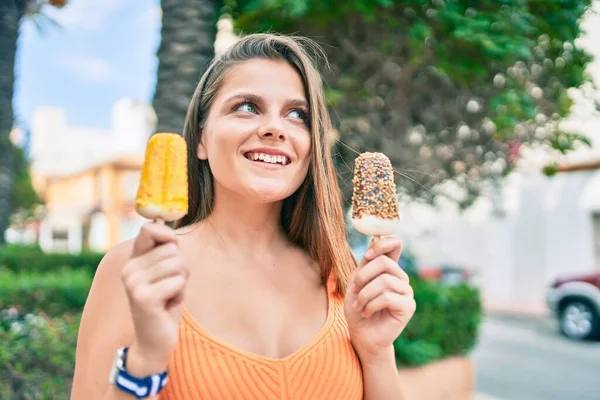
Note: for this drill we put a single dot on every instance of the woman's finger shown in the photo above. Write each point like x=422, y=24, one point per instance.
x=166, y=268
x=388, y=246
x=395, y=303
x=152, y=234
x=376, y=267
x=383, y=283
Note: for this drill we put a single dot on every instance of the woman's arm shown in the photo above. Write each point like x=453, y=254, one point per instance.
x=381, y=380
x=135, y=302
x=378, y=305
x=105, y=326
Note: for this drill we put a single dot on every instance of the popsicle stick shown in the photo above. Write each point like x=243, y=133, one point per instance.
x=159, y=221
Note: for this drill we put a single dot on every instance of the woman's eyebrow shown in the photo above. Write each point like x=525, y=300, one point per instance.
x=244, y=96
x=298, y=103
x=259, y=100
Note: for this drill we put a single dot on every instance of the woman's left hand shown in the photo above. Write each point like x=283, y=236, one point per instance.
x=379, y=300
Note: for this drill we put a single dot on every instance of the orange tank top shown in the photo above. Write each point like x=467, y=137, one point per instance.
x=204, y=368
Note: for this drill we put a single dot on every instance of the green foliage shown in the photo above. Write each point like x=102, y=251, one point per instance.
x=466, y=36
x=24, y=198
x=445, y=324
x=565, y=142
x=550, y=170
x=37, y=355
x=32, y=259
x=400, y=66
x=53, y=293
x=333, y=97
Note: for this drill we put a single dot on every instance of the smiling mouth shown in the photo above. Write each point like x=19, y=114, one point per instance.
x=267, y=158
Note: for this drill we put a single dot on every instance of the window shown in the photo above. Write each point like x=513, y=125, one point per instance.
x=60, y=241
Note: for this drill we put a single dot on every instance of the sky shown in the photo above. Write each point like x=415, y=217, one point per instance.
x=103, y=51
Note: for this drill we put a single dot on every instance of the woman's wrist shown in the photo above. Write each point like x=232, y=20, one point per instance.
x=141, y=363
x=380, y=376
x=384, y=357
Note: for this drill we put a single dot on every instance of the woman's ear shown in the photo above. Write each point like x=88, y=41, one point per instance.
x=201, y=150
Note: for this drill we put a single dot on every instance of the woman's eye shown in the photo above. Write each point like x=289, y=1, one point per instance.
x=246, y=107
x=299, y=114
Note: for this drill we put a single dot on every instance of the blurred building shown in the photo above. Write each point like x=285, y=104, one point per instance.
x=89, y=177
x=518, y=238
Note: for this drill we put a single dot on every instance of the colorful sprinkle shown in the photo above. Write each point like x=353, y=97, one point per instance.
x=374, y=187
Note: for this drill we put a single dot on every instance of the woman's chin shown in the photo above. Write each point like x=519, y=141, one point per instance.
x=270, y=193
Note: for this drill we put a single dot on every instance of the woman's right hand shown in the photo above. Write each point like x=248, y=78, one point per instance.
x=154, y=278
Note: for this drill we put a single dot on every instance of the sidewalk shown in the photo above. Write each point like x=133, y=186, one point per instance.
x=529, y=310
x=538, y=322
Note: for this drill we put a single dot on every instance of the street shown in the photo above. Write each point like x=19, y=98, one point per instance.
x=521, y=358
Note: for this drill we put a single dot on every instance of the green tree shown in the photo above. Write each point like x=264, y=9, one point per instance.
x=448, y=89
x=25, y=200
x=187, y=45
x=12, y=13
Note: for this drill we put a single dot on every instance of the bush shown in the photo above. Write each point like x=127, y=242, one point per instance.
x=53, y=293
x=32, y=259
x=37, y=355
x=445, y=324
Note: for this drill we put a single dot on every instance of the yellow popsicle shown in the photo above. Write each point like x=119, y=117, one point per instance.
x=163, y=190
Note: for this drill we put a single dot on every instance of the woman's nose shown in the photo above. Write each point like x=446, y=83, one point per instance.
x=272, y=127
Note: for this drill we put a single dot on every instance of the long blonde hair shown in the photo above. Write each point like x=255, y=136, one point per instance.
x=313, y=216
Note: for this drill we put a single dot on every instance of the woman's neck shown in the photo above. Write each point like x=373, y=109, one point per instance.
x=248, y=227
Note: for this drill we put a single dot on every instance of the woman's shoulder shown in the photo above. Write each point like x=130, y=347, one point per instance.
x=114, y=260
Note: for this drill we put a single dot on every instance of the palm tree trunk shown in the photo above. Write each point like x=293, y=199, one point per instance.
x=187, y=46
x=11, y=12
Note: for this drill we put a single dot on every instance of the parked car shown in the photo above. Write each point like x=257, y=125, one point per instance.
x=575, y=301
x=447, y=274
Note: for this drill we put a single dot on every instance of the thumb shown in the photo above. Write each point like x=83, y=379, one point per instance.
x=150, y=236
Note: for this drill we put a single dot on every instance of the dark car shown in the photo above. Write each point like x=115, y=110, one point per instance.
x=575, y=301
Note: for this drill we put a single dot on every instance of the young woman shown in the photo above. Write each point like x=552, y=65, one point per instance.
x=256, y=294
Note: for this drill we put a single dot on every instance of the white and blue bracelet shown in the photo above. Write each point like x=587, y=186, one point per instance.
x=138, y=387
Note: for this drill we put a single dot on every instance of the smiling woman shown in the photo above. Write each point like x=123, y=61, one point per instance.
x=256, y=294
x=260, y=110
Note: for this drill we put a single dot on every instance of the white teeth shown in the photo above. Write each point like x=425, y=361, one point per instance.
x=271, y=159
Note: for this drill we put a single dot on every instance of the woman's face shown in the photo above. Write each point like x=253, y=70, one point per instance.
x=256, y=137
